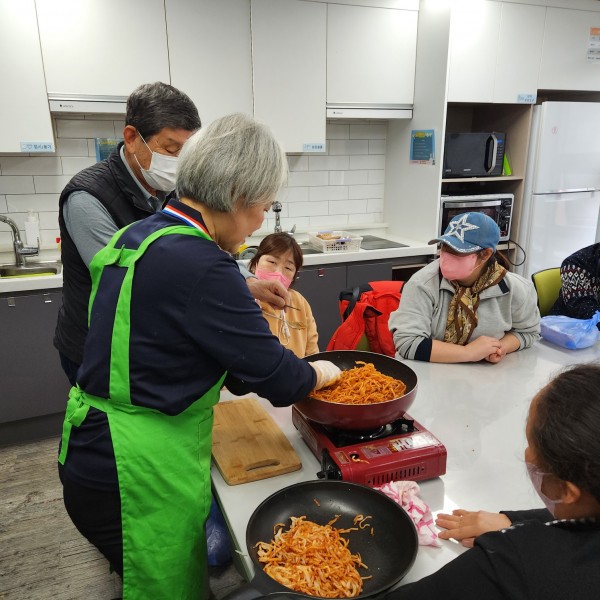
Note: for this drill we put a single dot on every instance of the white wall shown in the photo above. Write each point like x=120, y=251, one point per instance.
x=343, y=187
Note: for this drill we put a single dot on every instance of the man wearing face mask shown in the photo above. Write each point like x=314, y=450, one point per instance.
x=466, y=306
x=133, y=183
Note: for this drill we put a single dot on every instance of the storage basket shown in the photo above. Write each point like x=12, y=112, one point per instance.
x=344, y=242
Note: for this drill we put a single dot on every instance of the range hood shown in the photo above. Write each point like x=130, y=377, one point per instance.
x=355, y=110
x=78, y=103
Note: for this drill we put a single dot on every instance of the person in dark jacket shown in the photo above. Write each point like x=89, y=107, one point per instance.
x=131, y=184
x=551, y=553
x=171, y=321
x=579, y=295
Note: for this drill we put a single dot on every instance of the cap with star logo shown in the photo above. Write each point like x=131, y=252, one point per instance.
x=470, y=232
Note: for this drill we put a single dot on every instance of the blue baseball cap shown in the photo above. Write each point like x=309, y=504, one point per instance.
x=470, y=232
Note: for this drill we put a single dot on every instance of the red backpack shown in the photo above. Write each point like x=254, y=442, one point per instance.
x=365, y=310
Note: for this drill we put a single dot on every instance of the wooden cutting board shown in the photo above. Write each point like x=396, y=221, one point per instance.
x=248, y=445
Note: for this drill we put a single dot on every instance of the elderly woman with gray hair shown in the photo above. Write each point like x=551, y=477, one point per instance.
x=171, y=320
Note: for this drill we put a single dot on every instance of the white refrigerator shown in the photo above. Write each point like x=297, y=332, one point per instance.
x=561, y=197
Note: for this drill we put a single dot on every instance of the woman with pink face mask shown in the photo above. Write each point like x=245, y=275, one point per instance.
x=551, y=553
x=466, y=306
x=279, y=258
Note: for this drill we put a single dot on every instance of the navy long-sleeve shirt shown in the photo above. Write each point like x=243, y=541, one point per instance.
x=192, y=318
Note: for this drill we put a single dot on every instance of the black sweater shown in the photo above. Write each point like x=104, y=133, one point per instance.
x=536, y=558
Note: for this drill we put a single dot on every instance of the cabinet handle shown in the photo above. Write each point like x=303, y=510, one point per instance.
x=321, y=273
x=47, y=298
x=11, y=301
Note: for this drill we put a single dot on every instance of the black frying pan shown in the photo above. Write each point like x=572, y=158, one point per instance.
x=361, y=416
x=389, y=553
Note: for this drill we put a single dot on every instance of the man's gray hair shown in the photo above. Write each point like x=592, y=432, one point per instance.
x=154, y=106
x=234, y=159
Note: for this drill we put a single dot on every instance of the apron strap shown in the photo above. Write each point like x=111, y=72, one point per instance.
x=119, y=384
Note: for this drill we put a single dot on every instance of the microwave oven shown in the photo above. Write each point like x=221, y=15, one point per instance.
x=497, y=206
x=474, y=154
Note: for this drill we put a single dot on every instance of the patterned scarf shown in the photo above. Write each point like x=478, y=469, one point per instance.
x=462, y=312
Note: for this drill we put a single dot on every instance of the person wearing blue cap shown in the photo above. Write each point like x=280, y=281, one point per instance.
x=465, y=306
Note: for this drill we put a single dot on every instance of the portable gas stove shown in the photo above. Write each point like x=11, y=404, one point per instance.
x=400, y=450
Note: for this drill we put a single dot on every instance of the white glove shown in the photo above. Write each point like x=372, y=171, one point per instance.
x=327, y=373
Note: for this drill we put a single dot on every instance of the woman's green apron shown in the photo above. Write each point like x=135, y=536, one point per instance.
x=163, y=462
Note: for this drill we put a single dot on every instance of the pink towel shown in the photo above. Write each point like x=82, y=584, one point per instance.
x=406, y=494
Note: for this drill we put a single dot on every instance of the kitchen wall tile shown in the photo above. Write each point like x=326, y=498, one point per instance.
x=73, y=165
x=349, y=147
x=16, y=185
x=366, y=218
x=27, y=165
x=37, y=202
x=293, y=194
x=348, y=207
x=367, y=131
x=348, y=177
x=375, y=205
x=50, y=185
x=297, y=162
x=328, y=163
x=376, y=176
x=377, y=146
x=70, y=128
x=6, y=240
x=301, y=209
x=310, y=178
x=328, y=192
x=371, y=161
x=72, y=147
x=332, y=221
x=337, y=131
x=365, y=191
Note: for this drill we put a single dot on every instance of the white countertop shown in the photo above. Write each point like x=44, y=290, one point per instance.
x=413, y=248
x=477, y=411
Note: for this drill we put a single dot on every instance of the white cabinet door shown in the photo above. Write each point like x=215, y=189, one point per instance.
x=24, y=111
x=102, y=47
x=519, y=53
x=288, y=54
x=474, y=34
x=210, y=54
x=371, y=55
x=565, y=64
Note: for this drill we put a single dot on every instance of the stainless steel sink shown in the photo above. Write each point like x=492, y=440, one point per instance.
x=30, y=270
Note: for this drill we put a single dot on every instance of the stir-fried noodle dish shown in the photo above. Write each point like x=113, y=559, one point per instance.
x=313, y=559
x=362, y=384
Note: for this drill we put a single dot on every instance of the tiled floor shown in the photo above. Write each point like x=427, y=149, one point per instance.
x=42, y=555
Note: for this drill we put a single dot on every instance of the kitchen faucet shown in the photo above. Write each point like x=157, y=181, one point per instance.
x=21, y=251
x=276, y=208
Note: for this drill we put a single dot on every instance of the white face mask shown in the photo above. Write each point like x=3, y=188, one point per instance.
x=537, y=477
x=161, y=174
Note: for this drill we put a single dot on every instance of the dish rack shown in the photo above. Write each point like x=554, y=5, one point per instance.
x=343, y=242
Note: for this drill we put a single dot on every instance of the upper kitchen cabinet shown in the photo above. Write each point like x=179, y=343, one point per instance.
x=25, y=123
x=495, y=51
x=566, y=64
x=289, y=61
x=371, y=55
x=210, y=54
x=103, y=48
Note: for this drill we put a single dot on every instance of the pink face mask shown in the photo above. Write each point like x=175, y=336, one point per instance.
x=273, y=276
x=537, y=477
x=456, y=268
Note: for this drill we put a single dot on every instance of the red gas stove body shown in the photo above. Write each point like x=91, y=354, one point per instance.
x=403, y=450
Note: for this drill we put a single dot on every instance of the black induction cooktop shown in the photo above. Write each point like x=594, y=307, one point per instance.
x=372, y=242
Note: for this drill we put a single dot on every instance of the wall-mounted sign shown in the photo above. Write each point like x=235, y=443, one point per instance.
x=422, y=147
x=593, y=51
x=104, y=147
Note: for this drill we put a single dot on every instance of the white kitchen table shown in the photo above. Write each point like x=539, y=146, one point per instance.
x=477, y=411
